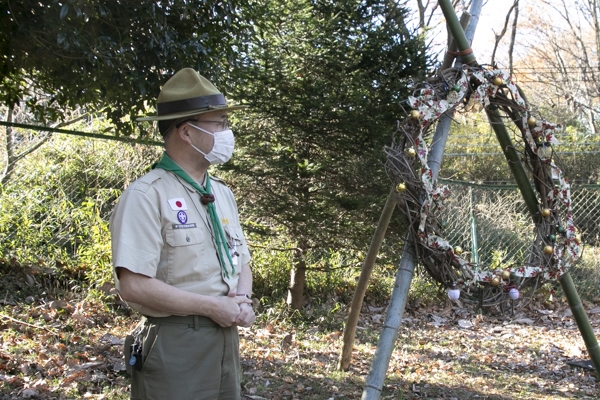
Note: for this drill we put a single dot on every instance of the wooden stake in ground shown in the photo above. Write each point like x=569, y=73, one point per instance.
x=363, y=281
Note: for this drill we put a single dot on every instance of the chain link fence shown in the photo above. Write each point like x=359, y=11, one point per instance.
x=492, y=223
x=54, y=209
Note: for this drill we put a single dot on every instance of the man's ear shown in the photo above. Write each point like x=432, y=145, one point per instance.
x=184, y=133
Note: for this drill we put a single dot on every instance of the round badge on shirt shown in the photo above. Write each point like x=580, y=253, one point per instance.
x=182, y=217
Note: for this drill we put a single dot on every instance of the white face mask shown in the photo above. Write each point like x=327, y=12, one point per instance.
x=222, y=147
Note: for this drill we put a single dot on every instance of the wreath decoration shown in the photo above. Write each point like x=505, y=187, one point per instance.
x=556, y=246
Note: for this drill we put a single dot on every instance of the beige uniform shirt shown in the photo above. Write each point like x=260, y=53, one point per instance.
x=159, y=228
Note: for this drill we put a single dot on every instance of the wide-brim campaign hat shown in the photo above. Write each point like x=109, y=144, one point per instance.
x=188, y=93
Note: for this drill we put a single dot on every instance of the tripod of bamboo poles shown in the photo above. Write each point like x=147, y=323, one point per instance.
x=437, y=150
x=388, y=336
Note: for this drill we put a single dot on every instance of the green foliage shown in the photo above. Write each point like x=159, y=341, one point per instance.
x=55, y=212
x=337, y=70
x=586, y=274
x=271, y=262
x=473, y=153
x=331, y=280
x=110, y=56
x=470, y=136
x=424, y=289
x=323, y=80
x=499, y=260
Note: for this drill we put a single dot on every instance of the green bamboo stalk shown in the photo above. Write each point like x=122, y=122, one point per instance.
x=514, y=163
x=457, y=32
x=585, y=328
x=581, y=318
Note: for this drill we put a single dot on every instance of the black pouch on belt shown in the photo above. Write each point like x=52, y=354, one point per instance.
x=132, y=348
x=128, y=345
x=133, y=353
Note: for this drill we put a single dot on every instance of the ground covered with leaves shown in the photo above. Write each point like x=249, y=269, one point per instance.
x=70, y=347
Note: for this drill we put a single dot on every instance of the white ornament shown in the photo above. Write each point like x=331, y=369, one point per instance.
x=452, y=97
x=453, y=294
x=513, y=294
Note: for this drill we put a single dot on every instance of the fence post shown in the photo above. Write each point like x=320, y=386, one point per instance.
x=473, y=218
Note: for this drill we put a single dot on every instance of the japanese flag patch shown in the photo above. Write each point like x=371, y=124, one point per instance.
x=177, y=204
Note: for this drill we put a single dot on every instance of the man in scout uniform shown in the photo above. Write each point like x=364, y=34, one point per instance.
x=180, y=255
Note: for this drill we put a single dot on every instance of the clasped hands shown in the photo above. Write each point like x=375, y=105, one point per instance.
x=234, y=310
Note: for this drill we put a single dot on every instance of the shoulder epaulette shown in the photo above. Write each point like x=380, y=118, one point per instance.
x=145, y=181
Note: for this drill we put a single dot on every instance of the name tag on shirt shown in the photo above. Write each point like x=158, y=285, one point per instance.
x=184, y=226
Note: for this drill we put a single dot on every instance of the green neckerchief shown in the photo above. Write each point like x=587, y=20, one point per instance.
x=207, y=199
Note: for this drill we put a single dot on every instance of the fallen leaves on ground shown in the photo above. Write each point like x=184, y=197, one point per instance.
x=442, y=352
x=68, y=349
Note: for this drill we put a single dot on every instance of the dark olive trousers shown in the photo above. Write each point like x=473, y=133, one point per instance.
x=187, y=358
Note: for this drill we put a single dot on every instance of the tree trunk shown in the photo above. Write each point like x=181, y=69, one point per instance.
x=295, y=299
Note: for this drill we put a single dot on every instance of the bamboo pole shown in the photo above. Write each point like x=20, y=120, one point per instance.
x=363, y=281
x=583, y=323
x=514, y=163
x=581, y=318
x=393, y=318
x=461, y=40
x=434, y=162
x=389, y=333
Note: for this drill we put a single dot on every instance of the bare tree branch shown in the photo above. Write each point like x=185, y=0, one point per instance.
x=498, y=37
x=513, y=35
x=566, y=52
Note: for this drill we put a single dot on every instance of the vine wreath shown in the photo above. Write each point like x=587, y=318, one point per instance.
x=556, y=246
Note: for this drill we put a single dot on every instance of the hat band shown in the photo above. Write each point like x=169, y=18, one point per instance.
x=195, y=103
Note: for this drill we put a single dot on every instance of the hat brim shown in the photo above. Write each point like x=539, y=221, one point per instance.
x=189, y=113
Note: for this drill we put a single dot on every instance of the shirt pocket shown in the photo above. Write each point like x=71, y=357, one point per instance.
x=234, y=235
x=184, y=237
x=186, y=261
x=235, y=238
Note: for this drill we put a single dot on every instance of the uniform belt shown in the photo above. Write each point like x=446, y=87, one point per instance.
x=193, y=321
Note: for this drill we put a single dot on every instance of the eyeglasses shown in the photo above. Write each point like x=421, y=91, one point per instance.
x=223, y=123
